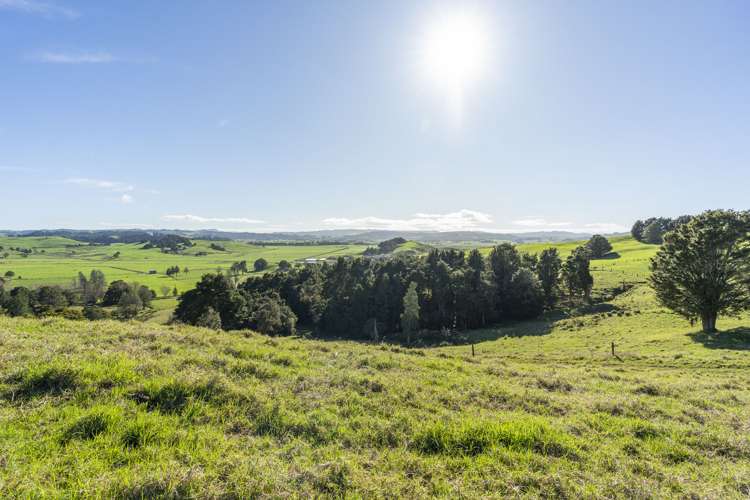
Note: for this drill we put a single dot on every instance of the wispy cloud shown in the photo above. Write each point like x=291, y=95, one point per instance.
x=39, y=8
x=126, y=199
x=197, y=219
x=455, y=221
x=53, y=57
x=117, y=187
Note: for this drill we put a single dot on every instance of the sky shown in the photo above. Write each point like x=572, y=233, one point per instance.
x=287, y=115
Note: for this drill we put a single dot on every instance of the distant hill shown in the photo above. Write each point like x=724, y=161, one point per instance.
x=107, y=236
x=397, y=245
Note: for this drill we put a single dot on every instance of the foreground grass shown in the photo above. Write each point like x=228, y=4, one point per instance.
x=139, y=410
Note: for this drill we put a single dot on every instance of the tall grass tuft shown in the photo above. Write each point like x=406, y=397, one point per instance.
x=470, y=437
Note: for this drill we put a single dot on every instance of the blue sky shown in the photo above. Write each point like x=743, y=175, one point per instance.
x=310, y=115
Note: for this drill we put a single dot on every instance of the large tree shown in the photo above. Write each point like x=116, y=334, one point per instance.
x=599, y=246
x=548, y=272
x=703, y=268
x=653, y=233
x=576, y=274
x=260, y=264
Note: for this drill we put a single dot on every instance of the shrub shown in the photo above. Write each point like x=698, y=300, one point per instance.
x=94, y=313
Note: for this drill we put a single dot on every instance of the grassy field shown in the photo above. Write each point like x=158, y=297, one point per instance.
x=63, y=259
x=543, y=409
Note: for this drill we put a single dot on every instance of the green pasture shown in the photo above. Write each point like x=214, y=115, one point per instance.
x=540, y=408
x=58, y=261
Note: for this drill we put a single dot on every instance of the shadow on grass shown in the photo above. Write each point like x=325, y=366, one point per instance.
x=42, y=382
x=737, y=339
x=435, y=338
x=527, y=328
x=609, y=256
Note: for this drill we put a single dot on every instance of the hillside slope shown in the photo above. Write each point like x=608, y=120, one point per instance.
x=136, y=410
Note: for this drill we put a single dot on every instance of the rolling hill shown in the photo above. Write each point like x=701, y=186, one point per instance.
x=542, y=408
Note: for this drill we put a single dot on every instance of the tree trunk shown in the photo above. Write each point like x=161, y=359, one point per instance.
x=708, y=321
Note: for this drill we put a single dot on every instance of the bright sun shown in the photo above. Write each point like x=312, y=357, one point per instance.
x=454, y=52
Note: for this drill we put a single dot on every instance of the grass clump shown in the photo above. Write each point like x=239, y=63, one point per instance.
x=90, y=425
x=651, y=390
x=175, y=395
x=281, y=423
x=469, y=437
x=43, y=380
x=142, y=431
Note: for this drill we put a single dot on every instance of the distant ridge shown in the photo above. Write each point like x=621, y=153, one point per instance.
x=334, y=235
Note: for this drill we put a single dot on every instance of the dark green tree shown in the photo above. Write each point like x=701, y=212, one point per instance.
x=209, y=319
x=598, y=246
x=19, y=302
x=47, y=299
x=653, y=233
x=217, y=292
x=526, y=297
x=703, y=268
x=114, y=293
x=260, y=264
x=637, y=230
x=145, y=294
x=505, y=261
x=130, y=304
x=271, y=316
x=548, y=272
x=576, y=274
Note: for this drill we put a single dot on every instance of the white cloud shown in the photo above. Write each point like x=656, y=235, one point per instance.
x=126, y=199
x=455, y=221
x=39, y=8
x=539, y=222
x=197, y=219
x=117, y=187
x=74, y=57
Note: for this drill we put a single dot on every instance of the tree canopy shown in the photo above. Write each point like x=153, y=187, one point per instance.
x=703, y=268
x=366, y=298
x=598, y=246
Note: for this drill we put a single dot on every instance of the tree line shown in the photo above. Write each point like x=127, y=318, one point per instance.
x=125, y=300
x=652, y=230
x=368, y=298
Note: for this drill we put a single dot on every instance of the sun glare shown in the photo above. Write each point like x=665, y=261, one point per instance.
x=454, y=53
